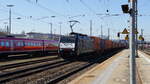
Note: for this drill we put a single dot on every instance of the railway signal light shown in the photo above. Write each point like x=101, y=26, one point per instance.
x=141, y=38
x=136, y=32
x=127, y=37
x=125, y=8
x=118, y=34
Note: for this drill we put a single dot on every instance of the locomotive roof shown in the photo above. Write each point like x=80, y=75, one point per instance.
x=75, y=33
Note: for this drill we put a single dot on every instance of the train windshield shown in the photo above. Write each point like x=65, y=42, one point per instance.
x=67, y=39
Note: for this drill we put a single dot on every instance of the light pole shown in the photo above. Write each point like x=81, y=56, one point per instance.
x=10, y=6
x=60, y=26
x=51, y=25
x=136, y=28
x=133, y=14
x=133, y=42
x=6, y=27
x=90, y=27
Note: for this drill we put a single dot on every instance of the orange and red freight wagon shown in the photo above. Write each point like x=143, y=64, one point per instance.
x=96, y=43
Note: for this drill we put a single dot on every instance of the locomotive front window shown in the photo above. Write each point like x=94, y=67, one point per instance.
x=67, y=40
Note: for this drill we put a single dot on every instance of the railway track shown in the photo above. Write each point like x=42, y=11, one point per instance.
x=47, y=73
x=67, y=74
x=147, y=51
x=3, y=67
x=22, y=57
x=20, y=70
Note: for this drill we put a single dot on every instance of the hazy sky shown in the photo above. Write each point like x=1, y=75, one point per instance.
x=37, y=16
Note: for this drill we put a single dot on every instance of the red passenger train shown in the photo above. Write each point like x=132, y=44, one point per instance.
x=11, y=45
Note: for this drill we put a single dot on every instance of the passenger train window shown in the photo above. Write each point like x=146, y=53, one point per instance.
x=34, y=44
x=18, y=44
x=7, y=44
x=2, y=43
x=40, y=44
x=37, y=44
x=21, y=43
x=29, y=44
x=26, y=44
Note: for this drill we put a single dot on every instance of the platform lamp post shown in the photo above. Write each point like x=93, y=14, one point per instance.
x=10, y=6
x=132, y=11
x=6, y=27
x=60, y=26
x=136, y=26
x=51, y=26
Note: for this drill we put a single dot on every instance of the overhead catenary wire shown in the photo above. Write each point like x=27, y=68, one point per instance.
x=45, y=8
x=29, y=17
x=72, y=8
x=23, y=16
x=67, y=1
x=89, y=8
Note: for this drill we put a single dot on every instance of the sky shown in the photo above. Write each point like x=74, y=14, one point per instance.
x=35, y=17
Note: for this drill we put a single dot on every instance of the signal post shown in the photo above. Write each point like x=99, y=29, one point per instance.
x=133, y=13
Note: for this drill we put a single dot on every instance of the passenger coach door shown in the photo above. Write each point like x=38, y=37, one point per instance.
x=11, y=45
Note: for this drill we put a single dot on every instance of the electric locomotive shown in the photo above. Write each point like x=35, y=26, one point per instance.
x=74, y=45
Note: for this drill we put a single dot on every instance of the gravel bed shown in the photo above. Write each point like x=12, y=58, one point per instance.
x=76, y=75
x=2, y=63
x=29, y=66
x=43, y=77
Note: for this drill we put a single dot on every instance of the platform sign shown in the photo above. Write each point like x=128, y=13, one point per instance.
x=125, y=31
x=127, y=37
x=136, y=32
x=118, y=34
x=141, y=38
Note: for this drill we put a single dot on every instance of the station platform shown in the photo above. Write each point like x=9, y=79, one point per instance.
x=143, y=64
x=115, y=70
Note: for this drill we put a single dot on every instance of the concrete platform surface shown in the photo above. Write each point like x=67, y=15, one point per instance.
x=143, y=64
x=115, y=70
